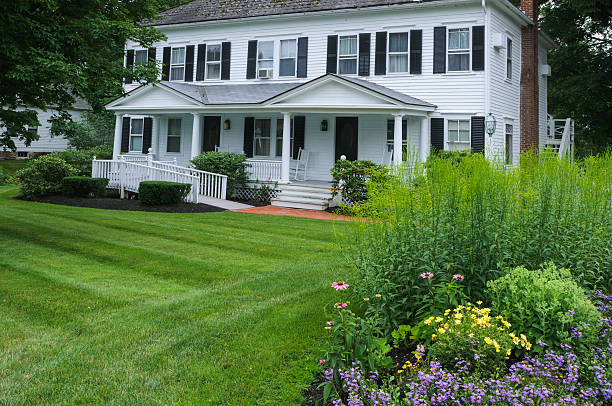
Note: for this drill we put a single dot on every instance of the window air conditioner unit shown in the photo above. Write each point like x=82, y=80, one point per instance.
x=545, y=70
x=264, y=73
x=499, y=40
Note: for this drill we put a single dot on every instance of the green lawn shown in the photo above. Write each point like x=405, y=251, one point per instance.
x=11, y=166
x=149, y=308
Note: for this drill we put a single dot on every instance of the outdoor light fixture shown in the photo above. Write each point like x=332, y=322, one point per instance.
x=226, y=125
x=491, y=124
x=324, y=125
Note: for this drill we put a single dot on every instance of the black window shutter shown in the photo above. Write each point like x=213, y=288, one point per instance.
x=437, y=134
x=166, y=62
x=226, y=58
x=332, y=54
x=478, y=47
x=251, y=59
x=302, y=57
x=478, y=134
x=147, y=132
x=125, y=135
x=129, y=62
x=416, y=51
x=380, y=60
x=201, y=62
x=439, y=65
x=364, y=54
x=299, y=128
x=152, y=54
x=249, y=129
x=189, y=63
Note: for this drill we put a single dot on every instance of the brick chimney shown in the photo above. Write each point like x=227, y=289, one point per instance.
x=530, y=124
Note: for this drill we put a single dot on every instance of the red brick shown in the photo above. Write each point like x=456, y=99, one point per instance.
x=530, y=137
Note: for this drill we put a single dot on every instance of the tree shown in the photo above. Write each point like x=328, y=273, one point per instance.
x=54, y=50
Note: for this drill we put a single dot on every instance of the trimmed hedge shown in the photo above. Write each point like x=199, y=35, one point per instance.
x=81, y=186
x=154, y=193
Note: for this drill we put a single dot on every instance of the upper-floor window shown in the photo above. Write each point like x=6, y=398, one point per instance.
x=140, y=56
x=177, y=64
x=173, y=143
x=136, y=131
x=459, y=132
x=262, y=137
x=347, y=55
x=288, y=55
x=458, y=49
x=213, y=61
x=265, y=55
x=33, y=129
x=509, y=58
x=398, y=52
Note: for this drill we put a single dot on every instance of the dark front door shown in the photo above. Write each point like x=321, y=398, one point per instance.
x=346, y=138
x=212, y=133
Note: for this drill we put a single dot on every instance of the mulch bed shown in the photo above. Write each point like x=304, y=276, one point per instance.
x=112, y=202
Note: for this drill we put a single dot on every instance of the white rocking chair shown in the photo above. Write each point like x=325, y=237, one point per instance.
x=300, y=165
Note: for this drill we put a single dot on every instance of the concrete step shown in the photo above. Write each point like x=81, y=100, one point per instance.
x=307, y=194
x=298, y=205
x=301, y=199
x=305, y=188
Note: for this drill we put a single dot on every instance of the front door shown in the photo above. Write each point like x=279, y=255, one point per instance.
x=346, y=138
x=212, y=133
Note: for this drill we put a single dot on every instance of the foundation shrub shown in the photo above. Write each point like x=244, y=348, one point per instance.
x=152, y=193
x=82, y=186
x=224, y=163
x=43, y=176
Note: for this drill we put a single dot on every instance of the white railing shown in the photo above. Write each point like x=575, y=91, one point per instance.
x=560, y=136
x=142, y=159
x=209, y=184
x=264, y=170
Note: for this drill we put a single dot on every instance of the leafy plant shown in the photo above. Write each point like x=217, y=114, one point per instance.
x=154, y=193
x=82, y=186
x=81, y=159
x=263, y=192
x=43, y=176
x=350, y=179
x=224, y=163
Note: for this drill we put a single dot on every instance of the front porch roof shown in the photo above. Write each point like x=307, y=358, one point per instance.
x=327, y=92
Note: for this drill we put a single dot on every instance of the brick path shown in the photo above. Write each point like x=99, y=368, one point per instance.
x=282, y=211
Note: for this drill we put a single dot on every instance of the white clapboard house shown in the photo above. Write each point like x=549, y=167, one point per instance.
x=302, y=83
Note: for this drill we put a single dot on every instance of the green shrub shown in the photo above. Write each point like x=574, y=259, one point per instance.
x=82, y=186
x=546, y=304
x=3, y=178
x=81, y=159
x=224, y=163
x=154, y=193
x=351, y=177
x=43, y=176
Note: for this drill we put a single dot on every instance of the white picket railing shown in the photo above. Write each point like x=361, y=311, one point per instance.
x=264, y=170
x=142, y=159
x=560, y=136
x=210, y=184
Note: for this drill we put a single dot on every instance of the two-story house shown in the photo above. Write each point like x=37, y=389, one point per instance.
x=367, y=79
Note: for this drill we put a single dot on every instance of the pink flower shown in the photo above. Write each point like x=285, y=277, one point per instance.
x=340, y=305
x=329, y=323
x=321, y=361
x=427, y=275
x=458, y=277
x=340, y=285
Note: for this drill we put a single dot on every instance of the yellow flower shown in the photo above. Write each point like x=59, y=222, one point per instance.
x=528, y=346
x=458, y=321
x=433, y=336
x=365, y=299
x=441, y=331
x=400, y=371
x=327, y=328
x=508, y=352
x=446, y=313
x=378, y=296
x=439, y=319
x=479, y=302
x=488, y=340
x=515, y=340
x=523, y=337
x=471, y=335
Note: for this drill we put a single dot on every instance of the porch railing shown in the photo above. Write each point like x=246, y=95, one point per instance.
x=264, y=170
x=209, y=184
x=560, y=136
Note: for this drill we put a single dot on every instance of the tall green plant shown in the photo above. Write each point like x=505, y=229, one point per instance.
x=224, y=163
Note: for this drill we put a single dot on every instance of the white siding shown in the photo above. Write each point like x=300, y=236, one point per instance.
x=46, y=143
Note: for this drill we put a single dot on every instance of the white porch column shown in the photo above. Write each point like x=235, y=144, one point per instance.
x=425, y=141
x=397, y=139
x=196, y=147
x=155, y=137
x=117, y=140
x=286, y=147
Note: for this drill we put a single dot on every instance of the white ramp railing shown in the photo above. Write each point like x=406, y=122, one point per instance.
x=210, y=184
x=264, y=170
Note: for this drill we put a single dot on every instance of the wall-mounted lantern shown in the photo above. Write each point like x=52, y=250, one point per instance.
x=324, y=125
x=491, y=124
x=227, y=125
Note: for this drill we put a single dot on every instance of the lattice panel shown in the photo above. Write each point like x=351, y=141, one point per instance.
x=249, y=193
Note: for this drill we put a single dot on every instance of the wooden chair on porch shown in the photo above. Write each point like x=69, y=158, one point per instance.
x=300, y=165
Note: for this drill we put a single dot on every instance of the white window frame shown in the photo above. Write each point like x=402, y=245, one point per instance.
x=132, y=135
x=179, y=136
x=146, y=51
x=273, y=59
x=279, y=137
x=509, y=57
x=207, y=63
x=389, y=53
x=176, y=65
x=461, y=51
x=280, y=58
x=510, y=161
x=269, y=138
x=449, y=142
x=348, y=56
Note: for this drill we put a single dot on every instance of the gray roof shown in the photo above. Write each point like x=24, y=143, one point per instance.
x=210, y=10
x=385, y=91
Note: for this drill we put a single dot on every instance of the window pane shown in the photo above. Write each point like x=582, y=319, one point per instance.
x=287, y=67
x=137, y=124
x=178, y=55
x=459, y=62
x=140, y=57
x=509, y=48
x=173, y=144
x=348, y=66
x=174, y=126
x=265, y=64
x=265, y=50
x=398, y=63
x=213, y=53
x=464, y=125
x=464, y=35
x=213, y=71
x=348, y=45
x=136, y=143
x=398, y=42
x=459, y=39
x=176, y=73
x=453, y=40
x=287, y=48
x=453, y=125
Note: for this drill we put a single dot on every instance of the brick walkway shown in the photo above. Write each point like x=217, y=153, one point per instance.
x=282, y=211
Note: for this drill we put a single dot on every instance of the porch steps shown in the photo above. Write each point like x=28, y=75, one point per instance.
x=303, y=196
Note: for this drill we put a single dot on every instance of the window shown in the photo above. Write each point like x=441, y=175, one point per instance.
x=288, y=55
x=391, y=132
x=213, y=61
x=398, y=52
x=279, y=137
x=347, y=55
x=265, y=55
x=22, y=154
x=177, y=64
x=262, y=137
x=459, y=131
x=459, y=49
x=509, y=59
x=174, y=135
x=136, y=129
x=33, y=130
x=140, y=56
x=509, y=133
